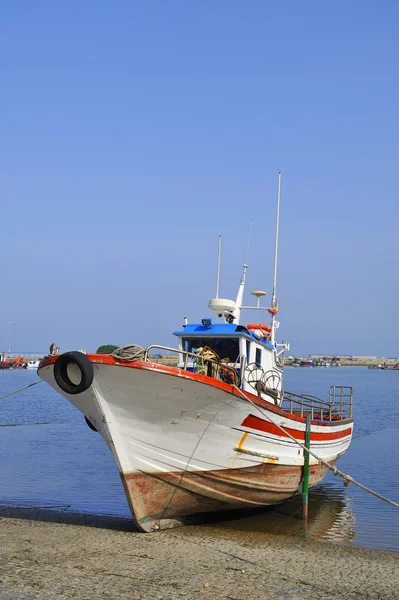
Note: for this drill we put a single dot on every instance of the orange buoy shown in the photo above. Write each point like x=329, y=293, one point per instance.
x=264, y=328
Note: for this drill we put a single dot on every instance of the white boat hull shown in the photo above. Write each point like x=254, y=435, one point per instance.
x=186, y=444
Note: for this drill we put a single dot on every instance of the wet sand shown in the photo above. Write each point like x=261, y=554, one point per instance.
x=59, y=555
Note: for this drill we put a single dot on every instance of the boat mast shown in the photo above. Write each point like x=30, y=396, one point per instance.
x=240, y=295
x=218, y=269
x=274, y=298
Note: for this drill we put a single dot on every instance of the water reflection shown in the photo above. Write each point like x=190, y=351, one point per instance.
x=330, y=517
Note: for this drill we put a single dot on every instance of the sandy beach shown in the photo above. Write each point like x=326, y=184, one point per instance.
x=60, y=554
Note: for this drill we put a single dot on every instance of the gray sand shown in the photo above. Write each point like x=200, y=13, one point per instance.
x=59, y=555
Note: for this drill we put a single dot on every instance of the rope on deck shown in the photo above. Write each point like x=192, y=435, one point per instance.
x=347, y=478
x=129, y=353
x=21, y=389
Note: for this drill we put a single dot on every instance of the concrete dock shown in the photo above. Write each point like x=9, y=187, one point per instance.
x=61, y=555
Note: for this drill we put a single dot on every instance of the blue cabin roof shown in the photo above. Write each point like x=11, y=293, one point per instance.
x=218, y=329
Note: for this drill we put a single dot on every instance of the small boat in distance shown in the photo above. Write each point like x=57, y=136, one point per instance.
x=218, y=431
x=307, y=363
x=33, y=364
x=4, y=362
x=385, y=367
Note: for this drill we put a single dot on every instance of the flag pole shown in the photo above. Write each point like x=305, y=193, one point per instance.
x=274, y=298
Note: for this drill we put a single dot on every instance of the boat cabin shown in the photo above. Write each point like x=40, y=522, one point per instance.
x=245, y=348
x=244, y=355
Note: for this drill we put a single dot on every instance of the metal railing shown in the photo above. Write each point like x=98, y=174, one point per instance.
x=206, y=366
x=338, y=407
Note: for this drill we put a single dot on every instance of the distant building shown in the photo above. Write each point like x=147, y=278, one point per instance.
x=345, y=356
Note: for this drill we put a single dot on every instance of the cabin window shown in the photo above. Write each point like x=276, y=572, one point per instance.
x=224, y=347
x=258, y=357
x=248, y=351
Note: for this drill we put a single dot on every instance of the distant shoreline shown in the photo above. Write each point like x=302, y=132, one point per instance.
x=347, y=362
x=172, y=360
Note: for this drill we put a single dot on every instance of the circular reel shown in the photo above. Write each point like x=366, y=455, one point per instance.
x=271, y=380
x=253, y=374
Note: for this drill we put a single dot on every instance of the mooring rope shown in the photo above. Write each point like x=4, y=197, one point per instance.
x=21, y=389
x=129, y=353
x=347, y=478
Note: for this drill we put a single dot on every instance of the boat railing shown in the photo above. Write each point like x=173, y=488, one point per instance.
x=206, y=366
x=338, y=407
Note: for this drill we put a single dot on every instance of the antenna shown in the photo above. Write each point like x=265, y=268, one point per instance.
x=258, y=294
x=276, y=256
x=218, y=269
x=249, y=242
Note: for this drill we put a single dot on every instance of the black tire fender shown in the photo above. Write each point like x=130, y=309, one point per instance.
x=61, y=372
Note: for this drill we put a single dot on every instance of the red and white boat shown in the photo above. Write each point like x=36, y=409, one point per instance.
x=212, y=433
x=4, y=364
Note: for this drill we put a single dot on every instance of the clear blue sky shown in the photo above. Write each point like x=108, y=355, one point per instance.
x=133, y=133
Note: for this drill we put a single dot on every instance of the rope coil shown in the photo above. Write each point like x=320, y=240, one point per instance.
x=129, y=353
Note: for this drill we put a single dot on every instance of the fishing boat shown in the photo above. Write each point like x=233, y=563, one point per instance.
x=33, y=364
x=307, y=363
x=215, y=432
x=4, y=363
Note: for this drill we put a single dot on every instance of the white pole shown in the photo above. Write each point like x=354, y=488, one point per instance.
x=249, y=242
x=275, y=257
x=9, y=340
x=218, y=271
x=240, y=295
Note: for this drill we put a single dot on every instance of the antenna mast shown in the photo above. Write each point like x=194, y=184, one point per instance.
x=218, y=269
x=249, y=242
x=274, y=298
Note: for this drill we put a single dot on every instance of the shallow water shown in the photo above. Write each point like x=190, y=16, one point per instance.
x=50, y=458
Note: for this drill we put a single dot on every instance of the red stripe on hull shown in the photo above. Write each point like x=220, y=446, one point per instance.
x=163, y=500
x=252, y=422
